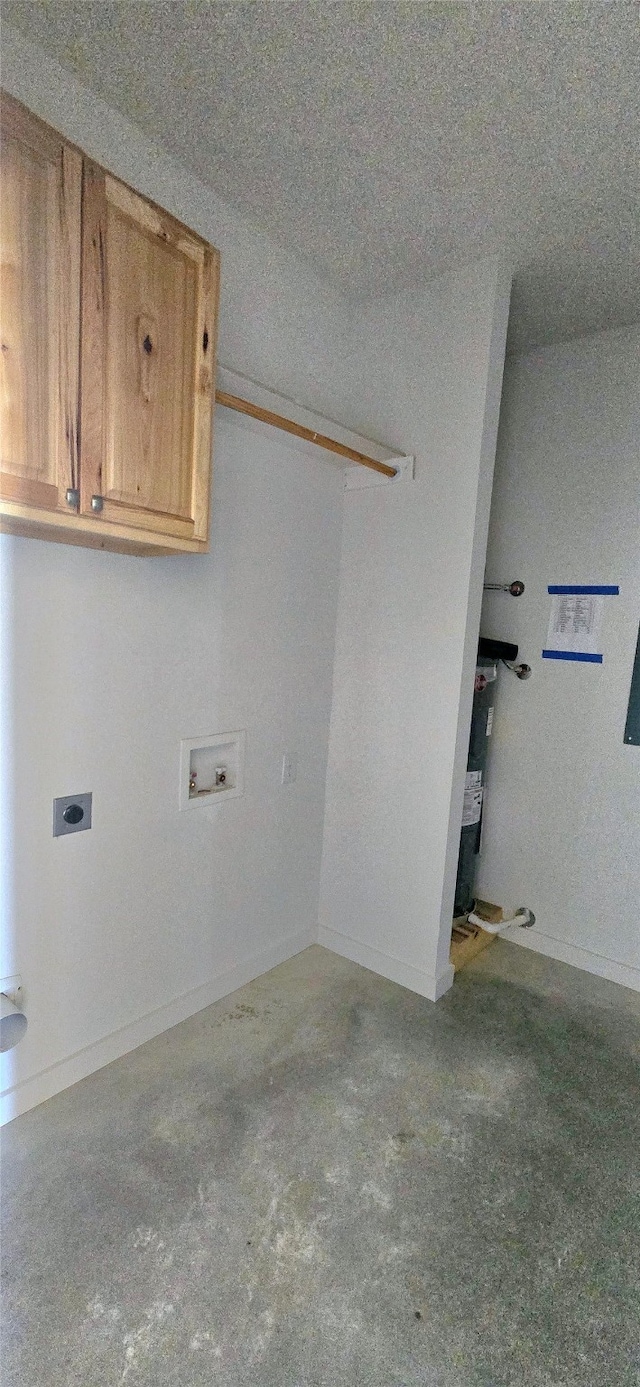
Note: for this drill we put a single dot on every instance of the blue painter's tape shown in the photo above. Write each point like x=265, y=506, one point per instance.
x=572, y=655
x=585, y=590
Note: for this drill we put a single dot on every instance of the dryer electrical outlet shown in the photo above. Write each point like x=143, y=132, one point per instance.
x=71, y=814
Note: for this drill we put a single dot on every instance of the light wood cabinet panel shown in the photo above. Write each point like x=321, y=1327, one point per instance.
x=148, y=352
x=109, y=327
x=39, y=310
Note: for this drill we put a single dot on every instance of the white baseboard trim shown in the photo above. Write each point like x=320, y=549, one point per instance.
x=29, y=1092
x=601, y=967
x=428, y=985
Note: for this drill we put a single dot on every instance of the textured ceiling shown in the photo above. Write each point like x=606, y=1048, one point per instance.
x=389, y=142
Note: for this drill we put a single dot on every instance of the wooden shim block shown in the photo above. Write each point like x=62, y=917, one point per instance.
x=466, y=942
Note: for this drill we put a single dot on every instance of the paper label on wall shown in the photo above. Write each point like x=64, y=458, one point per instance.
x=575, y=621
x=574, y=624
x=472, y=808
x=490, y=721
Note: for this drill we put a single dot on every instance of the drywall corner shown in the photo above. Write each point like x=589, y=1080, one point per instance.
x=495, y=372
x=426, y=367
x=429, y=985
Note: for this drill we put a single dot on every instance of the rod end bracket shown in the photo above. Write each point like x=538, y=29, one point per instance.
x=359, y=478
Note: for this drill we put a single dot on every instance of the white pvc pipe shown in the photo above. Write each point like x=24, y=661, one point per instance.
x=523, y=917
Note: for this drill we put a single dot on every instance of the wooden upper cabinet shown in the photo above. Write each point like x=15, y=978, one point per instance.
x=109, y=324
x=148, y=349
x=40, y=311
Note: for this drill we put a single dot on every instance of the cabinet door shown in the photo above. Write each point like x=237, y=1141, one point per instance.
x=148, y=363
x=39, y=311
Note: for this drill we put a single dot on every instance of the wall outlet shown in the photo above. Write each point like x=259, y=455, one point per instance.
x=289, y=767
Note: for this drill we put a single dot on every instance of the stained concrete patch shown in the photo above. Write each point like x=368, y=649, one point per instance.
x=328, y=1180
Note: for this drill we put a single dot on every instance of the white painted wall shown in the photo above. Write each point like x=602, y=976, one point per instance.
x=562, y=819
x=110, y=660
x=429, y=371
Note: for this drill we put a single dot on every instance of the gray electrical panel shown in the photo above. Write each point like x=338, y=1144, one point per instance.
x=632, y=729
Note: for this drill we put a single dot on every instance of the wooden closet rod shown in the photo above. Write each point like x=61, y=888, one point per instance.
x=288, y=425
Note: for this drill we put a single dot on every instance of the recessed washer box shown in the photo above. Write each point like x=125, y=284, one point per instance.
x=211, y=769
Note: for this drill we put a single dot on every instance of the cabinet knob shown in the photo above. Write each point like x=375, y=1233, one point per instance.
x=72, y=497
x=97, y=503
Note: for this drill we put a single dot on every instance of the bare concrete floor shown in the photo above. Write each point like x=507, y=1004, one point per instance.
x=326, y=1180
